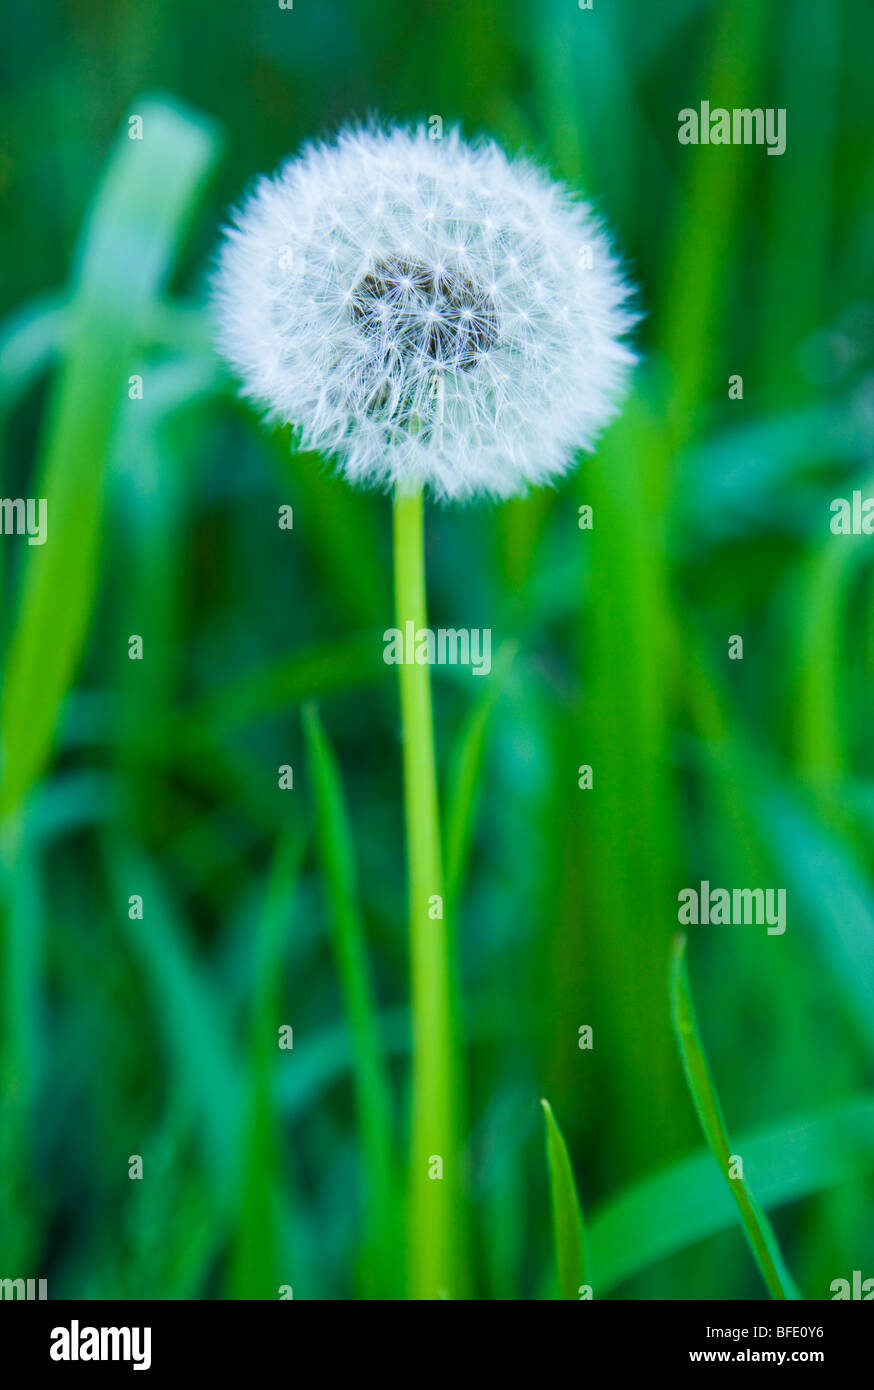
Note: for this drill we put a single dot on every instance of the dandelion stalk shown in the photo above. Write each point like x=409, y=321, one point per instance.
x=433, y=1140
x=431, y=315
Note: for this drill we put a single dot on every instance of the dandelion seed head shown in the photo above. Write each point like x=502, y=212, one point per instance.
x=429, y=323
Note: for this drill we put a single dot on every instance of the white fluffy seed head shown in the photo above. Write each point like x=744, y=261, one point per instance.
x=429, y=312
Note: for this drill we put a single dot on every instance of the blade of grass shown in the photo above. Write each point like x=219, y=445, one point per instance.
x=341, y=525
x=254, y=1259
x=29, y=339
x=825, y=874
x=689, y=1201
x=150, y=188
x=187, y=1013
x=567, y=1213
x=21, y=1042
x=797, y=283
x=757, y=1227
x=703, y=252
x=373, y=1095
x=820, y=695
x=317, y=670
x=464, y=775
x=629, y=841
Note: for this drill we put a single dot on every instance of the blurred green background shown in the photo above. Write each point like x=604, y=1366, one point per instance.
x=159, y=778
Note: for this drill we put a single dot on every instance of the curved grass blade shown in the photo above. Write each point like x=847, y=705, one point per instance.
x=567, y=1214
x=129, y=244
x=824, y=873
x=329, y=1056
x=467, y=760
x=371, y=1082
x=29, y=340
x=340, y=528
x=318, y=670
x=757, y=1227
x=690, y=1201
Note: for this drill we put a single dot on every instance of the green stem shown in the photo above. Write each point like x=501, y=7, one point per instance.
x=434, y=1179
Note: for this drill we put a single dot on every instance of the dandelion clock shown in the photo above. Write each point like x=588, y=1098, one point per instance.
x=436, y=318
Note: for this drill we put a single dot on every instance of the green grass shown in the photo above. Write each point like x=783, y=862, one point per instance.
x=757, y=1227
x=150, y=189
x=374, y=1102
x=567, y=1215
x=262, y=648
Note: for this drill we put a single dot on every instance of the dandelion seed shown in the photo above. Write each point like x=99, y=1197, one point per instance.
x=464, y=267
